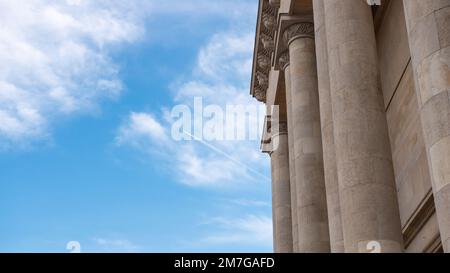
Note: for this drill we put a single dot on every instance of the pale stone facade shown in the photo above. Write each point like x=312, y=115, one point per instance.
x=361, y=155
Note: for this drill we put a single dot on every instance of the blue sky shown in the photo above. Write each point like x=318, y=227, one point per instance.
x=86, y=154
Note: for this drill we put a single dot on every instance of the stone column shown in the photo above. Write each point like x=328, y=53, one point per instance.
x=326, y=120
x=368, y=197
x=428, y=23
x=313, y=234
x=281, y=193
x=284, y=64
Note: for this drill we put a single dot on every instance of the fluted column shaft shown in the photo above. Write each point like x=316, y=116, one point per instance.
x=281, y=193
x=284, y=63
x=368, y=197
x=428, y=23
x=313, y=234
x=326, y=118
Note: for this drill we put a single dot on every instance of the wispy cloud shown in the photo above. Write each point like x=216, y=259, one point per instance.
x=115, y=245
x=140, y=128
x=251, y=230
x=249, y=203
x=193, y=164
x=226, y=8
x=208, y=169
x=221, y=78
x=55, y=61
x=226, y=57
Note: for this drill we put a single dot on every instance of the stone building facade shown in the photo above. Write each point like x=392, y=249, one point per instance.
x=361, y=153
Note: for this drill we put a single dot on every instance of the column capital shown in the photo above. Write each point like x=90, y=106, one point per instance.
x=283, y=60
x=291, y=27
x=298, y=30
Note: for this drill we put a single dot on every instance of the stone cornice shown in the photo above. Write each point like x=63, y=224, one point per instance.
x=262, y=79
x=259, y=93
x=263, y=63
x=269, y=21
x=267, y=42
x=274, y=17
x=264, y=48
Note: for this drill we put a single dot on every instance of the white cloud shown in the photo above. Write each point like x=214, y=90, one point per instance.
x=55, y=61
x=249, y=203
x=226, y=57
x=201, y=7
x=251, y=230
x=55, y=55
x=194, y=165
x=141, y=128
x=221, y=77
x=115, y=245
x=208, y=169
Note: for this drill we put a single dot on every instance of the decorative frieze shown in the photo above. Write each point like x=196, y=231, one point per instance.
x=269, y=22
x=263, y=79
x=259, y=94
x=267, y=42
x=264, y=62
x=265, y=46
